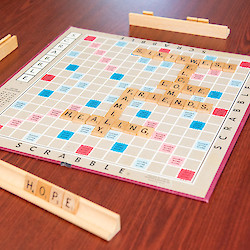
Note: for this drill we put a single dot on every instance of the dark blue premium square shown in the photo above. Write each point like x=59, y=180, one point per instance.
x=93, y=103
x=117, y=76
x=197, y=125
x=119, y=147
x=46, y=93
x=65, y=135
x=143, y=113
x=72, y=67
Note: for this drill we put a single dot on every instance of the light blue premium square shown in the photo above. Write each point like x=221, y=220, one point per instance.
x=148, y=89
x=143, y=60
x=46, y=93
x=143, y=113
x=93, y=103
x=122, y=85
x=64, y=89
x=73, y=53
x=82, y=85
x=136, y=104
x=197, y=98
x=72, y=67
x=117, y=76
x=166, y=64
x=202, y=145
x=141, y=163
x=119, y=147
x=188, y=114
x=111, y=99
x=31, y=137
x=112, y=135
x=77, y=76
x=121, y=44
x=215, y=94
x=150, y=68
x=19, y=105
x=235, y=83
x=211, y=58
x=197, y=125
x=65, y=135
x=85, y=129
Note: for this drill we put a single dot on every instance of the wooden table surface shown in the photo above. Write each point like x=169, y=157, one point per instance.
x=150, y=219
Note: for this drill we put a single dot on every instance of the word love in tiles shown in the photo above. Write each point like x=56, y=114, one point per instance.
x=52, y=194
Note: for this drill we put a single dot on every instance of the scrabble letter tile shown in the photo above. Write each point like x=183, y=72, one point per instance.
x=43, y=190
x=30, y=184
x=145, y=132
x=80, y=118
x=68, y=114
x=70, y=202
x=56, y=196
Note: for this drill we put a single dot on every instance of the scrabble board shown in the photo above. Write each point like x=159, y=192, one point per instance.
x=153, y=113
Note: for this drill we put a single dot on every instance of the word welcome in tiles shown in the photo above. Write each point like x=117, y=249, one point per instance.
x=52, y=194
x=159, y=114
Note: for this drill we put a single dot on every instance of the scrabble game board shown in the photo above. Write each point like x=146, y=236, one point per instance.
x=153, y=113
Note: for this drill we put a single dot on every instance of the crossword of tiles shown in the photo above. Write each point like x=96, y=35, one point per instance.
x=158, y=114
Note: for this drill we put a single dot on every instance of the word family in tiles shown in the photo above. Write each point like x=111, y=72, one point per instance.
x=156, y=114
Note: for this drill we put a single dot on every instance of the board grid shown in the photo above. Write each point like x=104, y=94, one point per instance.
x=87, y=71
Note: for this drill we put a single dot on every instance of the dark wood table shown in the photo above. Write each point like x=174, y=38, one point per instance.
x=150, y=219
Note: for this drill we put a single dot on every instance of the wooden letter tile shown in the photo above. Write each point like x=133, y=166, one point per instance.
x=149, y=53
x=205, y=107
x=130, y=91
x=191, y=105
x=141, y=95
x=153, y=97
x=139, y=51
x=189, y=89
x=145, y=132
x=170, y=57
x=206, y=64
x=106, y=121
x=176, y=86
x=68, y=114
x=132, y=129
x=178, y=103
x=182, y=79
x=80, y=118
x=43, y=190
x=94, y=120
x=56, y=196
x=165, y=100
x=229, y=67
x=217, y=65
x=114, y=113
x=186, y=73
x=126, y=99
x=30, y=184
x=100, y=130
x=195, y=61
x=159, y=56
x=119, y=125
x=201, y=91
x=70, y=202
x=172, y=93
x=190, y=67
x=183, y=59
x=164, y=84
x=118, y=105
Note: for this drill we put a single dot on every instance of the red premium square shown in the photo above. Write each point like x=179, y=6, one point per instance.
x=1, y=126
x=48, y=77
x=164, y=50
x=186, y=175
x=84, y=150
x=90, y=38
x=220, y=112
x=245, y=64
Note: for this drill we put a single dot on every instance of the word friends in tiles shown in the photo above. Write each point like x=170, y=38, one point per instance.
x=157, y=114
